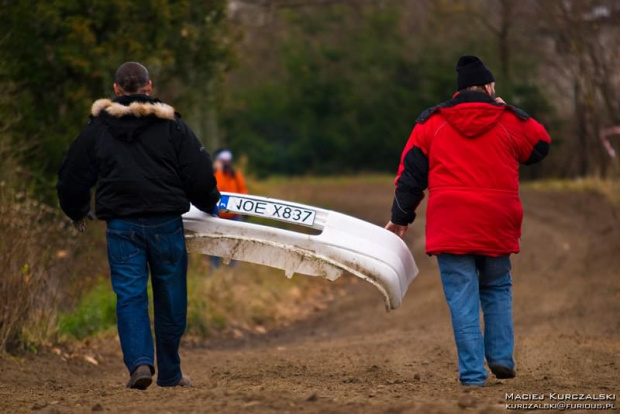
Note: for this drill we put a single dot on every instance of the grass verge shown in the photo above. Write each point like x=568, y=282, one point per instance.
x=94, y=313
x=609, y=188
x=247, y=298
x=230, y=300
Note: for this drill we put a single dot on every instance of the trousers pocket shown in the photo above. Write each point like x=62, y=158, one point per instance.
x=170, y=248
x=121, y=245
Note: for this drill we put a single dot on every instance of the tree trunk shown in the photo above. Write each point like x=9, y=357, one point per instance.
x=581, y=129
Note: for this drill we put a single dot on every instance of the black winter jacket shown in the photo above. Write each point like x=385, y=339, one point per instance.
x=144, y=158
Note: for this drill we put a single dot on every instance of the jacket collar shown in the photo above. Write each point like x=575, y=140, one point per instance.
x=472, y=97
x=138, y=106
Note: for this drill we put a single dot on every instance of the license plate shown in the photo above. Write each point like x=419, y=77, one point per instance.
x=268, y=209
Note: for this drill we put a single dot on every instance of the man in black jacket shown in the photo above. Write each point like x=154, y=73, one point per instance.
x=148, y=166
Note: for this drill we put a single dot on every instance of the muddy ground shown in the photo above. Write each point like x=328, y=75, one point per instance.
x=353, y=357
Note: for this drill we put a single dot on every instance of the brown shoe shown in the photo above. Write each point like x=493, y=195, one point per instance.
x=185, y=381
x=140, y=378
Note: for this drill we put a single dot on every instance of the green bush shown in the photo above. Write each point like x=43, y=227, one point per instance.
x=38, y=258
x=95, y=312
x=62, y=56
x=346, y=89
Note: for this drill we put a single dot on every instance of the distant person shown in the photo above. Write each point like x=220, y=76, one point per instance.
x=467, y=151
x=148, y=166
x=228, y=180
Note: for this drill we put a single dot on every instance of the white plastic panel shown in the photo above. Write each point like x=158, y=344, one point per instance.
x=345, y=244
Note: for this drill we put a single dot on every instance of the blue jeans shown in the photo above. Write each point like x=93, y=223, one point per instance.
x=468, y=282
x=135, y=246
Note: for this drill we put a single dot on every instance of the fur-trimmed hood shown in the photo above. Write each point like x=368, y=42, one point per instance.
x=136, y=108
x=127, y=117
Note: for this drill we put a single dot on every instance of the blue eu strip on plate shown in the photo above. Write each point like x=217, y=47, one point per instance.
x=223, y=202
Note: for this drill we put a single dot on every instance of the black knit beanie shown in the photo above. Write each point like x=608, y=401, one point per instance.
x=472, y=72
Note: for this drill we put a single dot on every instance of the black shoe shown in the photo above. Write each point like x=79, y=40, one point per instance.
x=140, y=378
x=503, y=372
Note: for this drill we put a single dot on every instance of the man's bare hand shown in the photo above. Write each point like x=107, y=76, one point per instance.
x=397, y=229
x=500, y=100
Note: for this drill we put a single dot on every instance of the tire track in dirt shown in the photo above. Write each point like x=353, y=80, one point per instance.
x=355, y=358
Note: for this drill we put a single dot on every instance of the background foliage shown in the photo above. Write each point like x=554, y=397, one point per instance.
x=347, y=92
x=61, y=55
x=336, y=86
x=315, y=87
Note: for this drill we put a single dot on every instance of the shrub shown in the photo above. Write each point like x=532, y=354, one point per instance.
x=95, y=312
x=36, y=258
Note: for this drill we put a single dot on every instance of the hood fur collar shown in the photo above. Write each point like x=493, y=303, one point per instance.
x=137, y=109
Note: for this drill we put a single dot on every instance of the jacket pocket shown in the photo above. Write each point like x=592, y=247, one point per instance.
x=121, y=245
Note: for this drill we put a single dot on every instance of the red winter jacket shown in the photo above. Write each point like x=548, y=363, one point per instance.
x=467, y=152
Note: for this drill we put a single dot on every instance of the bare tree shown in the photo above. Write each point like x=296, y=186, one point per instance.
x=584, y=36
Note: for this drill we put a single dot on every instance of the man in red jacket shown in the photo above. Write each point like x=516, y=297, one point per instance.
x=467, y=152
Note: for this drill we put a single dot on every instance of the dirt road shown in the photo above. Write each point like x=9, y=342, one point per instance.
x=355, y=358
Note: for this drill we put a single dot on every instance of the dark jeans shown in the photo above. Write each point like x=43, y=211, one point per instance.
x=134, y=246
